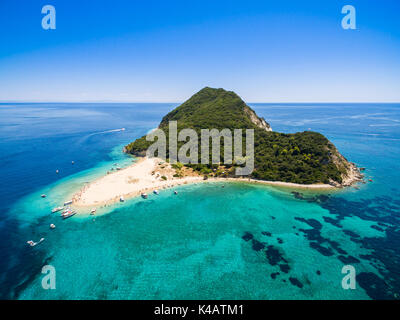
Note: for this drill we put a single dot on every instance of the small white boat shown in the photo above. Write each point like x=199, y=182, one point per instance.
x=72, y=162
x=43, y=196
x=68, y=214
x=66, y=203
x=57, y=171
x=93, y=211
x=175, y=192
x=56, y=209
x=52, y=226
x=121, y=199
x=155, y=192
x=144, y=195
x=32, y=243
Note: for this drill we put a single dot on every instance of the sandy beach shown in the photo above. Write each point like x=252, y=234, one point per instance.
x=149, y=174
x=144, y=176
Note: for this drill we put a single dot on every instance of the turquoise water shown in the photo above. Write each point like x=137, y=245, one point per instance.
x=213, y=240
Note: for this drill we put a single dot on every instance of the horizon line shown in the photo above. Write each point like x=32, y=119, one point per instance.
x=174, y=102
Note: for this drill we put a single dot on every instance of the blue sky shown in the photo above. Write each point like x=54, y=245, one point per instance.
x=164, y=51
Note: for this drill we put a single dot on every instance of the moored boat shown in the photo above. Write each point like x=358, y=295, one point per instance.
x=144, y=195
x=56, y=209
x=32, y=243
x=66, y=203
x=68, y=214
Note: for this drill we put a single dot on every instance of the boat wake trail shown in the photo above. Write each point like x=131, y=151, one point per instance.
x=107, y=131
x=84, y=138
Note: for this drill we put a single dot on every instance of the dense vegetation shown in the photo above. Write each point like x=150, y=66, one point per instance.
x=304, y=157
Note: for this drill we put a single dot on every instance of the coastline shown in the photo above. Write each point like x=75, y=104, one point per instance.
x=149, y=174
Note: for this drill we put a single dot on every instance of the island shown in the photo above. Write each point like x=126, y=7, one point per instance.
x=302, y=160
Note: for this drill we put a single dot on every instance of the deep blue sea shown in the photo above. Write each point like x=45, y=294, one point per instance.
x=243, y=241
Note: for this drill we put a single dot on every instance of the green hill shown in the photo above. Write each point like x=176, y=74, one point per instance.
x=304, y=157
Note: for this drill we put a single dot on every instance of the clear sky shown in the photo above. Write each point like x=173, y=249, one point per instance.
x=164, y=51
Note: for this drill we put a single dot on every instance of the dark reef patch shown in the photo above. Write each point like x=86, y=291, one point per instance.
x=375, y=287
x=317, y=198
x=247, y=236
x=284, y=267
x=385, y=212
x=296, y=282
x=327, y=252
x=351, y=234
x=274, y=256
x=332, y=221
x=257, y=245
x=377, y=228
x=348, y=259
x=297, y=195
x=311, y=222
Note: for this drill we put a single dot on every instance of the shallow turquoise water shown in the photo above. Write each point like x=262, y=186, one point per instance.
x=212, y=240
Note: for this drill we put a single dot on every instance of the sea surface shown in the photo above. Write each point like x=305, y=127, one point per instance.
x=240, y=241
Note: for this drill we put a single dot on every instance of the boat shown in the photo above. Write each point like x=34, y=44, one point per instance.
x=70, y=213
x=56, y=209
x=121, y=199
x=155, y=192
x=72, y=162
x=57, y=171
x=52, y=226
x=144, y=195
x=66, y=203
x=175, y=192
x=93, y=211
x=118, y=168
x=32, y=243
x=43, y=196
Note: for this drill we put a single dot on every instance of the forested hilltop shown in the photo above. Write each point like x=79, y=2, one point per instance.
x=303, y=157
